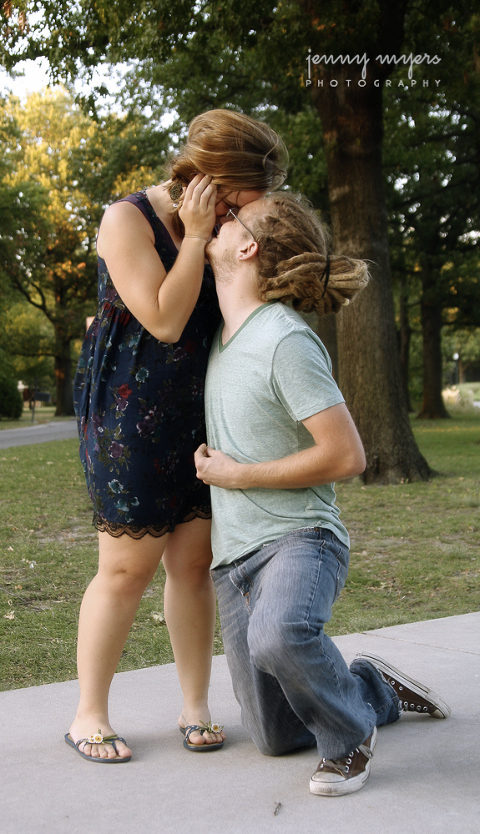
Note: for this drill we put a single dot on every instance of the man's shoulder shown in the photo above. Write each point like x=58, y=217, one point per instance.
x=280, y=320
x=273, y=329
x=287, y=327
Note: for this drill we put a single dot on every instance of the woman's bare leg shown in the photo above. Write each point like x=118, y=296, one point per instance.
x=190, y=615
x=126, y=566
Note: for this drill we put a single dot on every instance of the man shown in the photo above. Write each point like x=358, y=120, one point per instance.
x=279, y=435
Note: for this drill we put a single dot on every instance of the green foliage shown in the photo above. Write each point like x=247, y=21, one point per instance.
x=28, y=340
x=432, y=173
x=212, y=54
x=122, y=155
x=48, y=243
x=465, y=343
x=55, y=272
x=23, y=204
x=432, y=167
x=58, y=170
x=11, y=402
x=307, y=171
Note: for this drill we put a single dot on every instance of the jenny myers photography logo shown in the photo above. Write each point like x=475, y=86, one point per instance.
x=362, y=61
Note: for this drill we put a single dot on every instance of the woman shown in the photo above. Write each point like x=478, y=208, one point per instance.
x=139, y=403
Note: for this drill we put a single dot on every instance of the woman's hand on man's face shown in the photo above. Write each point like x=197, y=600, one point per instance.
x=198, y=208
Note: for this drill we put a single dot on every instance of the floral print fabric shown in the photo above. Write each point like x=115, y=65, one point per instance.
x=140, y=408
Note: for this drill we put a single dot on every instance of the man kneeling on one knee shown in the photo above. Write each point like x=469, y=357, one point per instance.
x=279, y=434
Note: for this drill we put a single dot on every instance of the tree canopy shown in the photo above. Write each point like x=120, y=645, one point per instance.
x=317, y=71
x=60, y=169
x=432, y=162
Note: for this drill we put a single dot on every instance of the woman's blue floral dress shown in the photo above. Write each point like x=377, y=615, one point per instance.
x=140, y=408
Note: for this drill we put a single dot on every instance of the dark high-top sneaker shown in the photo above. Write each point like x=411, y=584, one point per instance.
x=414, y=696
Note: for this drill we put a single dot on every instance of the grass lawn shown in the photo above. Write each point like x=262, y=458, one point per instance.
x=415, y=553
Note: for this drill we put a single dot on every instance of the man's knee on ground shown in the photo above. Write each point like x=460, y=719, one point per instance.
x=268, y=748
x=267, y=745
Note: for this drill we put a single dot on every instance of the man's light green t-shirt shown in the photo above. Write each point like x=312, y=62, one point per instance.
x=272, y=374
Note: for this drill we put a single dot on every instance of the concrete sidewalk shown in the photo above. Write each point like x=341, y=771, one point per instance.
x=43, y=433
x=425, y=774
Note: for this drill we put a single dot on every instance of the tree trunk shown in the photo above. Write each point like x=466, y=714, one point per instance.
x=369, y=365
x=326, y=328
x=433, y=407
x=64, y=383
x=404, y=337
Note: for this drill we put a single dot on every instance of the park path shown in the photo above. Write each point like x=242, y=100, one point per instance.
x=25, y=436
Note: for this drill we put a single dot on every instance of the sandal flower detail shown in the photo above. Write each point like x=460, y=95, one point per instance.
x=211, y=728
x=206, y=727
x=97, y=738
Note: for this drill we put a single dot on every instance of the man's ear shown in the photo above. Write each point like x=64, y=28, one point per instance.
x=248, y=249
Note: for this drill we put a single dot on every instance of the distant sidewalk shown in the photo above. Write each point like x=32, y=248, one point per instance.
x=27, y=435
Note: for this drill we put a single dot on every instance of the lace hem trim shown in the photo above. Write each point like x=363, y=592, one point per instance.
x=135, y=531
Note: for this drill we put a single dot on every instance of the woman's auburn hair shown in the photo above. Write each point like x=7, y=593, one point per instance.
x=240, y=153
x=293, y=258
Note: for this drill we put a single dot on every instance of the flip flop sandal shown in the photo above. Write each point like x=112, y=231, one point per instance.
x=98, y=739
x=200, y=748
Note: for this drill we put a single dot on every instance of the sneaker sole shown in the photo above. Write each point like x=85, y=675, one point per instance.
x=342, y=788
x=442, y=710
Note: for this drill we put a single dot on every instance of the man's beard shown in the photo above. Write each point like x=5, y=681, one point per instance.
x=222, y=265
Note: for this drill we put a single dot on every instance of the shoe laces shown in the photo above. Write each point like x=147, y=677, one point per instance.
x=416, y=704
x=411, y=707
x=343, y=765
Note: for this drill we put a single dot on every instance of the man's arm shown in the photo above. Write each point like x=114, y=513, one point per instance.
x=337, y=454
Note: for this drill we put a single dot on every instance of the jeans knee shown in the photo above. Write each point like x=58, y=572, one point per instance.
x=264, y=646
x=272, y=647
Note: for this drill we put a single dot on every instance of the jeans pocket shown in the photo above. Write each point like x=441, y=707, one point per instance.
x=343, y=559
x=243, y=584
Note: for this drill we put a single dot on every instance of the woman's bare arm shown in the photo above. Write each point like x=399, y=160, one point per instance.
x=162, y=302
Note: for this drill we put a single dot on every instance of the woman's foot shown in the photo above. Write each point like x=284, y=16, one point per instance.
x=102, y=750
x=216, y=736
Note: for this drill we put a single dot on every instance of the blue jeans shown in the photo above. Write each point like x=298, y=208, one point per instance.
x=293, y=685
